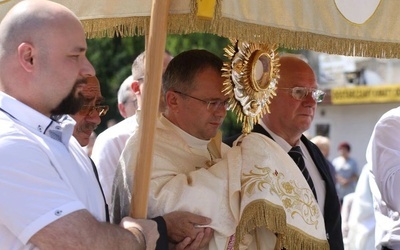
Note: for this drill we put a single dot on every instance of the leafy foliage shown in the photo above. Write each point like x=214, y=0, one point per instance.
x=179, y=43
x=112, y=58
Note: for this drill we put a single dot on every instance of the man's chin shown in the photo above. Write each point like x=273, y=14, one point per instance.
x=83, y=141
x=82, y=138
x=211, y=135
x=70, y=105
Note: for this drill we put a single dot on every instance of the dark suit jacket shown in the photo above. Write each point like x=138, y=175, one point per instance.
x=332, y=217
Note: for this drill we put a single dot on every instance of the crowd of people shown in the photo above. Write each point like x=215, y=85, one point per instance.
x=65, y=187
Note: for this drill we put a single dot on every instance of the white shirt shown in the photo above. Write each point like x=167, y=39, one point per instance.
x=108, y=148
x=42, y=179
x=361, y=219
x=319, y=183
x=383, y=155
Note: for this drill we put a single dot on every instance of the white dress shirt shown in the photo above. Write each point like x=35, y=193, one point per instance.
x=42, y=179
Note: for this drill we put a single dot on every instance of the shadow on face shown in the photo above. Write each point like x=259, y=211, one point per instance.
x=88, y=117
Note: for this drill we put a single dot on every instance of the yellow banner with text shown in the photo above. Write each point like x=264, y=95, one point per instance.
x=366, y=94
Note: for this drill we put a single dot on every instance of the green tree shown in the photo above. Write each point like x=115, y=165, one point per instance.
x=179, y=43
x=112, y=58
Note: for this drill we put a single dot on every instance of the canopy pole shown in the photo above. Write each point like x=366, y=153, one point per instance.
x=155, y=48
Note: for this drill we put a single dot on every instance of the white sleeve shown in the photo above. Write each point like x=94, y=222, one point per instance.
x=385, y=156
x=33, y=194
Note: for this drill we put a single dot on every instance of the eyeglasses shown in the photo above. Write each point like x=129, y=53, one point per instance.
x=88, y=109
x=299, y=93
x=211, y=105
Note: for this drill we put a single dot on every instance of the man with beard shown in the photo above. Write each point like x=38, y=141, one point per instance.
x=72, y=103
x=49, y=194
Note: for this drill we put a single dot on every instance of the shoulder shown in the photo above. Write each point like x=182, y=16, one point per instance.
x=231, y=139
x=15, y=137
x=353, y=161
x=13, y=142
x=310, y=145
x=123, y=128
x=390, y=117
x=7, y=126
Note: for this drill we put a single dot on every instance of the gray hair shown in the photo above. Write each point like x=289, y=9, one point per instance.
x=125, y=89
x=138, y=66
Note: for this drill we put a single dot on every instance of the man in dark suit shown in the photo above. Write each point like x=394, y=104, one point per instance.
x=292, y=112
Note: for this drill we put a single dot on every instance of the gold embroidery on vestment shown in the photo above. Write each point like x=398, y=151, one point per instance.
x=295, y=199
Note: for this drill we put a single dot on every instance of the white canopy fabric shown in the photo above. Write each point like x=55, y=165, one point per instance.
x=347, y=27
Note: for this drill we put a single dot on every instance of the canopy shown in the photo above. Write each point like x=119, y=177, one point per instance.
x=347, y=27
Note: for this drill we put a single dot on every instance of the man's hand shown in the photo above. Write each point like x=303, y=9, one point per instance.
x=202, y=240
x=181, y=225
x=145, y=231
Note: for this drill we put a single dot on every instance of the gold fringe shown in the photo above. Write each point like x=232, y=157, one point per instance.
x=110, y=27
x=191, y=23
x=261, y=213
x=296, y=239
x=306, y=40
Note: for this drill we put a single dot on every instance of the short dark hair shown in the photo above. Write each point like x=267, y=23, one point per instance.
x=183, y=68
x=344, y=145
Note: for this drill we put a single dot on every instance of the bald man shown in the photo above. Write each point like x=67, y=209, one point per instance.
x=49, y=194
x=292, y=112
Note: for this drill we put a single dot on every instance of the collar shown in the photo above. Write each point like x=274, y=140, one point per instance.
x=281, y=142
x=192, y=141
x=35, y=121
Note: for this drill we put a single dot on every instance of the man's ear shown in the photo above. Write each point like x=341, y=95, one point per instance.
x=121, y=109
x=135, y=86
x=26, y=56
x=171, y=100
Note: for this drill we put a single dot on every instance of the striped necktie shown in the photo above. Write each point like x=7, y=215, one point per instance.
x=297, y=156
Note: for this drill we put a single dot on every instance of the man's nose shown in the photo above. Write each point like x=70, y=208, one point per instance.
x=94, y=117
